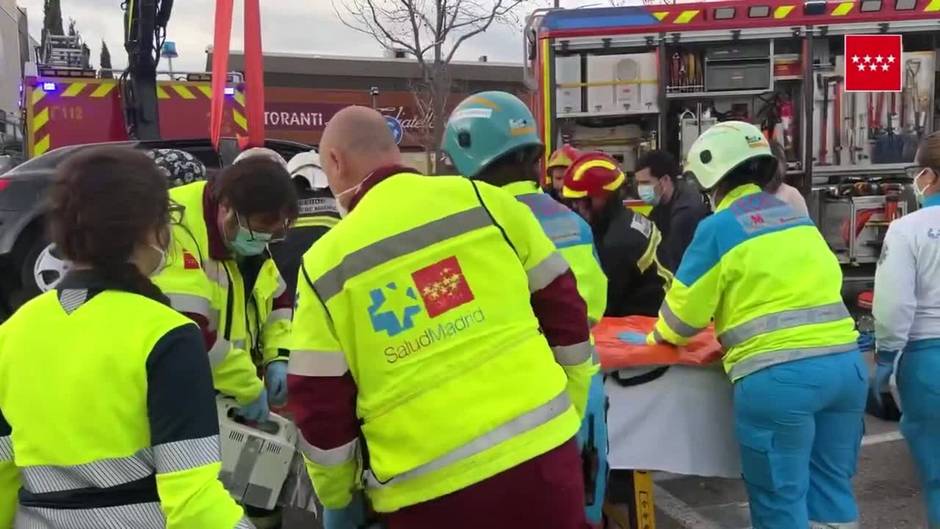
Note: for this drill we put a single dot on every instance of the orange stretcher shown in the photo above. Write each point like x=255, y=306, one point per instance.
x=703, y=349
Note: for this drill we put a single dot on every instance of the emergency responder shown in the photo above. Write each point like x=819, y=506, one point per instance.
x=790, y=343
x=778, y=186
x=263, y=153
x=506, y=156
x=677, y=206
x=907, y=318
x=108, y=414
x=222, y=276
x=317, y=214
x=558, y=162
x=431, y=337
x=626, y=241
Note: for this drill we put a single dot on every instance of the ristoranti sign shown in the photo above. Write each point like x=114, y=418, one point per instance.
x=313, y=117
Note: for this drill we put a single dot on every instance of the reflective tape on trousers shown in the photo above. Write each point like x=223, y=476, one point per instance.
x=524, y=423
x=186, y=454
x=404, y=243
x=331, y=457
x=756, y=363
x=786, y=319
x=572, y=355
x=676, y=324
x=42, y=479
x=843, y=525
x=547, y=271
x=307, y=363
x=137, y=515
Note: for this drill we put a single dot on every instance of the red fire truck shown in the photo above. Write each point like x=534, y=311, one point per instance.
x=629, y=79
x=68, y=107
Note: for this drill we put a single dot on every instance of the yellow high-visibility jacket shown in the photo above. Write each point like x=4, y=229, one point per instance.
x=243, y=330
x=110, y=419
x=769, y=280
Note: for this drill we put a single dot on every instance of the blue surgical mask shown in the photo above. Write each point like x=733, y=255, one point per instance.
x=249, y=242
x=647, y=194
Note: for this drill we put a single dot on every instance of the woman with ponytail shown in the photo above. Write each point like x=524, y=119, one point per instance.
x=107, y=412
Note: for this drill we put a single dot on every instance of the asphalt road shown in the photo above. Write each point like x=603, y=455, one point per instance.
x=886, y=488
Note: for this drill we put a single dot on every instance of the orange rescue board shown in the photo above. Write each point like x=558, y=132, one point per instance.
x=701, y=350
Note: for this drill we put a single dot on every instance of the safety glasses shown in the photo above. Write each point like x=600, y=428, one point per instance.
x=270, y=238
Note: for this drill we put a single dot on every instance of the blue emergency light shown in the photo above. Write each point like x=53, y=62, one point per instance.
x=48, y=87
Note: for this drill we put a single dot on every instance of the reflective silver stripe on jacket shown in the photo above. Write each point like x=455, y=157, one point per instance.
x=187, y=454
x=404, y=243
x=678, y=326
x=219, y=351
x=244, y=523
x=280, y=315
x=101, y=474
x=331, y=457
x=281, y=287
x=547, y=271
x=6, y=448
x=195, y=305
x=524, y=423
x=317, y=363
x=786, y=319
x=216, y=272
x=756, y=363
x=137, y=516
x=572, y=355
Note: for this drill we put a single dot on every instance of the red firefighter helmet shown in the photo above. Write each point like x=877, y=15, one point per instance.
x=593, y=174
x=563, y=157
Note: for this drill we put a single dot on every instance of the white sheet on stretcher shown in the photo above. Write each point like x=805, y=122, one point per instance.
x=681, y=422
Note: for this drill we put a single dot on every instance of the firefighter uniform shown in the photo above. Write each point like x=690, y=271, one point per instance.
x=114, y=424
x=242, y=307
x=420, y=290
x=766, y=276
x=907, y=320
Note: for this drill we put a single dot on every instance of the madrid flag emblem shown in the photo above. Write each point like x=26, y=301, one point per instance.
x=873, y=63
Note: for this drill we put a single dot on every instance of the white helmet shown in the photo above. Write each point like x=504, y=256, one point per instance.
x=261, y=152
x=306, y=165
x=722, y=148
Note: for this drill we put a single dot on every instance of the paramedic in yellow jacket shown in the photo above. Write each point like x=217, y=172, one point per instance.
x=449, y=336
x=221, y=275
x=766, y=276
x=107, y=413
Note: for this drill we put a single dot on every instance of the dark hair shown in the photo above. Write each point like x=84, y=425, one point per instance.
x=928, y=155
x=518, y=165
x=104, y=202
x=660, y=164
x=758, y=171
x=257, y=186
x=777, y=178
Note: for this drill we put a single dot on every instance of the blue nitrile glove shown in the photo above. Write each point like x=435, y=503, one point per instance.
x=275, y=378
x=257, y=410
x=632, y=338
x=352, y=516
x=884, y=366
x=866, y=341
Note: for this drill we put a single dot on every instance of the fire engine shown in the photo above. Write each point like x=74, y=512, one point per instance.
x=629, y=79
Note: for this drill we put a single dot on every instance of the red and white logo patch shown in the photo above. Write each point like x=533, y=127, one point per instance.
x=190, y=262
x=442, y=286
x=873, y=63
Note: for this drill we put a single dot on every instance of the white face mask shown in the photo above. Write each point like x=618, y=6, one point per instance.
x=161, y=264
x=340, y=207
x=918, y=191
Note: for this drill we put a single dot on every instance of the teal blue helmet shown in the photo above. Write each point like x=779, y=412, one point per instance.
x=485, y=127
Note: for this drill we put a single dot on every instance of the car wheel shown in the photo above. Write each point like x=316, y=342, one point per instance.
x=49, y=267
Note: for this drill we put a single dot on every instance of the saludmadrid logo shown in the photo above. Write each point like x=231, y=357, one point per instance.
x=433, y=334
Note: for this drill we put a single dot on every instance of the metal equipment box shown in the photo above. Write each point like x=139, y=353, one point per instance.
x=568, y=89
x=623, y=84
x=738, y=67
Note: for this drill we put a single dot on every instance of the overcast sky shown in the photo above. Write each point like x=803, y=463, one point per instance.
x=294, y=26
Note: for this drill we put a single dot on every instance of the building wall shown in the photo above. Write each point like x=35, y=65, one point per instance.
x=10, y=57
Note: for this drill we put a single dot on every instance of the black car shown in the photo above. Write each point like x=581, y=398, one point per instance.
x=29, y=264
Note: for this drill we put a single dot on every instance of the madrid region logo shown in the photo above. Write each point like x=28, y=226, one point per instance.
x=441, y=286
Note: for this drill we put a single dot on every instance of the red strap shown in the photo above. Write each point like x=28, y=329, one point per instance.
x=254, y=76
x=220, y=50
